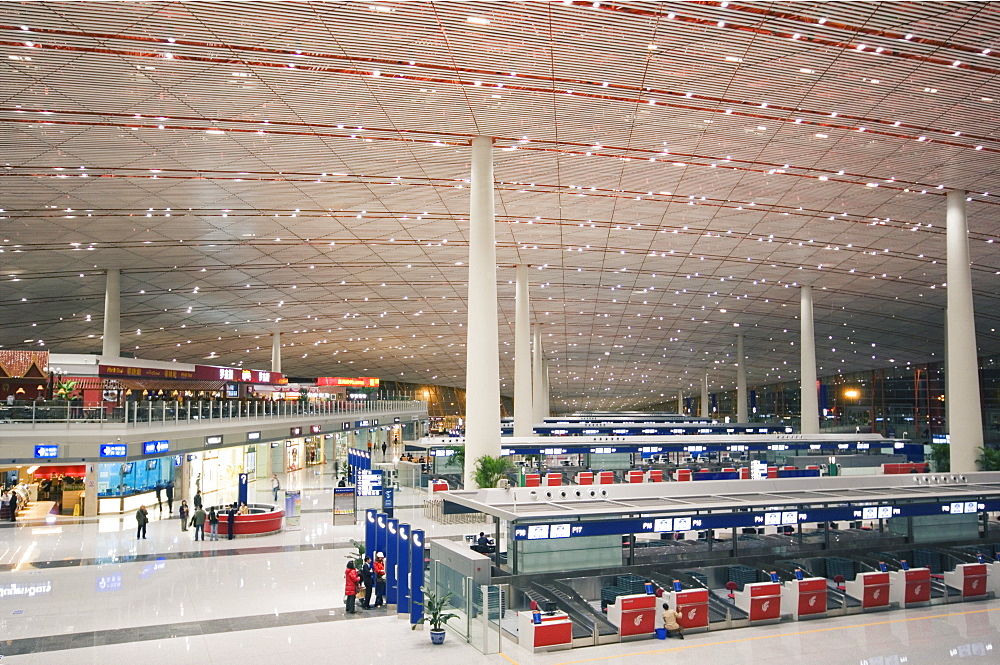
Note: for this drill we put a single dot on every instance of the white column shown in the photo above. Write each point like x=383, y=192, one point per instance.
x=112, y=315
x=537, y=376
x=704, y=396
x=523, y=405
x=680, y=402
x=276, y=352
x=807, y=369
x=965, y=419
x=482, y=379
x=90, y=490
x=741, y=382
x=547, y=403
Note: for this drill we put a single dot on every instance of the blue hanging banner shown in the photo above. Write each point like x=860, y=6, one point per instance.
x=370, y=532
x=391, y=550
x=403, y=571
x=416, y=576
x=380, y=535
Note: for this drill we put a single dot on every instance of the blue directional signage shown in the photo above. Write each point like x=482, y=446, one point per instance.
x=549, y=531
x=114, y=450
x=48, y=451
x=155, y=447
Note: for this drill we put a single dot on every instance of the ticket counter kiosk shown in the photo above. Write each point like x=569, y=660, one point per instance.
x=553, y=631
x=761, y=601
x=871, y=588
x=804, y=598
x=634, y=615
x=970, y=578
x=910, y=588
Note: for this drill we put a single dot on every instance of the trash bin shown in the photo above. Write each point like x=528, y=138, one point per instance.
x=661, y=633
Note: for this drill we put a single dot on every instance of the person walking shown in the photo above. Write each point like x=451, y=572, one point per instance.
x=379, y=570
x=275, y=486
x=351, y=581
x=198, y=502
x=368, y=577
x=384, y=448
x=159, y=498
x=670, y=618
x=142, y=519
x=198, y=522
x=170, y=496
x=13, y=506
x=231, y=520
x=184, y=513
x=213, y=523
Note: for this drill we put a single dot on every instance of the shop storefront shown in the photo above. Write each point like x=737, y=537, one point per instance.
x=216, y=471
x=124, y=486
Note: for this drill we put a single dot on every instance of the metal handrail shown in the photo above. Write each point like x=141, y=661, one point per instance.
x=147, y=412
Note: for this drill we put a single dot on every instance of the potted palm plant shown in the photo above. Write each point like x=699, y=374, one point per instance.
x=434, y=614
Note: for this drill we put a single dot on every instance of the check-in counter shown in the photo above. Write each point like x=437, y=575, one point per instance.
x=805, y=598
x=634, y=476
x=692, y=605
x=871, y=588
x=553, y=633
x=532, y=479
x=634, y=615
x=656, y=475
x=585, y=478
x=760, y=600
x=910, y=588
x=970, y=578
x=605, y=477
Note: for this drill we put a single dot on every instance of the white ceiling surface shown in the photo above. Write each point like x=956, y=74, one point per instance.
x=721, y=165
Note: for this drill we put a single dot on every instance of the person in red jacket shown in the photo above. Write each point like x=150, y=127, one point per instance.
x=351, y=580
x=379, y=568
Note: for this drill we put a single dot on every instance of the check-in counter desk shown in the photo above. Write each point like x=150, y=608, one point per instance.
x=871, y=588
x=805, y=598
x=993, y=577
x=554, y=632
x=692, y=605
x=910, y=588
x=760, y=600
x=971, y=578
x=634, y=615
x=532, y=480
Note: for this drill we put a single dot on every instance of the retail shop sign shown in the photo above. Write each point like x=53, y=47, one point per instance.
x=315, y=429
x=294, y=431
x=253, y=436
x=48, y=451
x=155, y=447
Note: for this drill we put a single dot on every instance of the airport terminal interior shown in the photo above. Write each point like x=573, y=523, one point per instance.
x=616, y=332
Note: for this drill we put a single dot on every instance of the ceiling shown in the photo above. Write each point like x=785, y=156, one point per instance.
x=669, y=170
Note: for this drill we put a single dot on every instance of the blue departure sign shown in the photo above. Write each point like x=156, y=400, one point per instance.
x=114, y=450
x=47, y=451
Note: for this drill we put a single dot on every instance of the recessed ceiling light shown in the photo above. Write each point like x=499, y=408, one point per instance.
x=479, y=20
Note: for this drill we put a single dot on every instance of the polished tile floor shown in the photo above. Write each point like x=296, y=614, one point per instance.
x=89, y=592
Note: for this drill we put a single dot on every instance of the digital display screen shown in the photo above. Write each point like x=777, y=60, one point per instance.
x=538, y=531
x=682, y=524
x=772, y=519
x=957, y=508
x=869, y=513
x=884, y=512
x=663, y=525
x=971, y=507
x=559, y=531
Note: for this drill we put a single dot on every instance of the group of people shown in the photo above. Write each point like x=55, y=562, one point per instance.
x=198, y=519
x=369, y=581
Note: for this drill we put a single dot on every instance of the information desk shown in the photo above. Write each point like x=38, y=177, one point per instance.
x=805, y=598
x=693, y=606
x=634, y=615
x=262, y=520
x=553, y=633
x=971, y=578
x=910, y=588
x=871, y=588
x=761, y=601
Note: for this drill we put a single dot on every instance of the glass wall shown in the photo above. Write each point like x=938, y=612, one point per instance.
x=127, y=478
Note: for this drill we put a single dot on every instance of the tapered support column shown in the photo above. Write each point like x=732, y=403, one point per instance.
x=704, y=396
x=742, y=415
x=482, y=379
x=965, y=419
x=680, y=402
x=523, y=405
x=276, y=352
x=112, y=347
x=537, y=376
x=547, y=402
x=807, y=369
